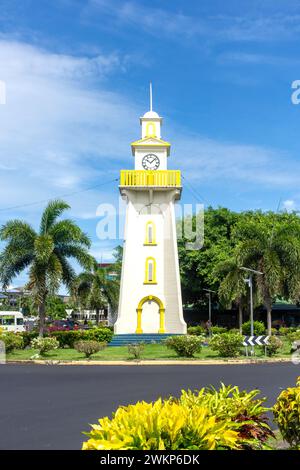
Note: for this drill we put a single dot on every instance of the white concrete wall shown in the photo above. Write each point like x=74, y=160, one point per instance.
x=168, y=288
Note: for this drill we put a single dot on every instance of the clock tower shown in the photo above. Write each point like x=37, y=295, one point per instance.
x=150, y=293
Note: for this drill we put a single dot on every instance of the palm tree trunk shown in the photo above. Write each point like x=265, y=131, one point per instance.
x=241, y=318
x=42, y=312
x=97, y=316
x=269, y=320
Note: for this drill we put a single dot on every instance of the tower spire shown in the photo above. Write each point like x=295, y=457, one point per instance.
x=150, y=96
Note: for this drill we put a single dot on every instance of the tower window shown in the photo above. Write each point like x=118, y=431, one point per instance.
x=150, y=238
x=150, y=271
x=150, y=129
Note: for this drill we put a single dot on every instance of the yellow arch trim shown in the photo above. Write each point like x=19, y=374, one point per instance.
x=147, y=281
x=150, y=129
x=161, y=313
x=147, y=241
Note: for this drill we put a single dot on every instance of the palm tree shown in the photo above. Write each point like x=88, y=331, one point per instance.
x=46, y=253
x=272, y=247
x=95, y=290
x=232, y=288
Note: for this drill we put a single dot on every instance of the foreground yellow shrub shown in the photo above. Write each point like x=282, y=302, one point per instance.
x=287, y=414
x=206, y=420
x=161, y=425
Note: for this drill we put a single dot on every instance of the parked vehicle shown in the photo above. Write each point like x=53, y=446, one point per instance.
x=63, y=325
x=12, y=321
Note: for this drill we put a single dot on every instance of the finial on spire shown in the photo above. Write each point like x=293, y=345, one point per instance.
x=150, y=96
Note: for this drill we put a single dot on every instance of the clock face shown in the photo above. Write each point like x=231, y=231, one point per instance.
x=150, y=162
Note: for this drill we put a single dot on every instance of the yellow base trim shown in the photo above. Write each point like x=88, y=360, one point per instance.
x=150, y=244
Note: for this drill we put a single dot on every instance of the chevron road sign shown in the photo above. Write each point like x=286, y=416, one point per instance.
x=256, y=340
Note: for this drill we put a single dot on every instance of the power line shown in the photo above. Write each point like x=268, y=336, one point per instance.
x=194, y=191
x=58, y=197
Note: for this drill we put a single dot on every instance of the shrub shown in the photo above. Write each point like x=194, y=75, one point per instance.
x=287, y=414
x=234, y=331
x=70, y=337
x=284, y=331
x=28, y=336
x=207, y=420
x=227, y=344
x=293, y=336
x=136, y=350
x=273, y=345
x=258, y=326
x=196, y=330
x=44, y=345
x=185, y=346
x=238, y=406
x=12, y=341
x=98, y=334
x=218, y=330
x=89, y=347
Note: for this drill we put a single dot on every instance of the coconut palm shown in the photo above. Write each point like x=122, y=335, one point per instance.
x=93, y=289
x=232, y=288
x=273, y=248
x=46, y=253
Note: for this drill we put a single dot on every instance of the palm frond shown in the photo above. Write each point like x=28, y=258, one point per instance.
x=53, y=210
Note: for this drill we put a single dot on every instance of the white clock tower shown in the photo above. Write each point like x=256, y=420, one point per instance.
x=150, y=293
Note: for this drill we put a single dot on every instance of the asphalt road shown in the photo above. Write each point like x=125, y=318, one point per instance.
x=48, y=407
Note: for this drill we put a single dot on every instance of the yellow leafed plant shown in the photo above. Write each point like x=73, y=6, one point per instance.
x=206, y=420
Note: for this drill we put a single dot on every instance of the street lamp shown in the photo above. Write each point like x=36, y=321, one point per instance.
x=250, y=284
x=209, y=292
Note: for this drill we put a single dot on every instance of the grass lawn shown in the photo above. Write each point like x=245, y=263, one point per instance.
x=115, y=353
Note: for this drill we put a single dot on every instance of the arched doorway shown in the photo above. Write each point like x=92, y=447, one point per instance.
x=151, y=298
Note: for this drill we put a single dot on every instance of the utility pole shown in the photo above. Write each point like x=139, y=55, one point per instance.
x=249, y=281
x=209, y=292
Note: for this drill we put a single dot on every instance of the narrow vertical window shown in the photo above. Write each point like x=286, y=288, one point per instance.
x=150, y=271
x=150, y=129
x=150, y=233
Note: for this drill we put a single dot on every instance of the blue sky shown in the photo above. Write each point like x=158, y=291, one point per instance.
x=77, y=75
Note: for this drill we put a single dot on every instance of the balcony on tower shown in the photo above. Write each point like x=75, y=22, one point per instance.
x=144, y=179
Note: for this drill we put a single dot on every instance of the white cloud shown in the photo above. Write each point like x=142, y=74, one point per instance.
x=231, y=163
x=289, y=205
x=266, y=26
x=59, y=131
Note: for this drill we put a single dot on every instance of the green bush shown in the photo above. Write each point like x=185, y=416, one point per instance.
x=196, y=330
x=227, y=419
x=227, y=344
x=287, y=415
x=70, y=337
x=136, y=350
x=274, y=345
x=293, y=336
x=12, y=341
x=28, y=336
x=218, y=330
x=99, y=334
x=89, y=347
x=185, y=346
x=284, y=331
x=44, y=345
x=234, y=331
x=258, y=326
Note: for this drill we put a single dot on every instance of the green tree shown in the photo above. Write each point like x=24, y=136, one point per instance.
x=46, y=253
x=197, y=267
x=95, y=290
x=55, y=308
x=270, y=243
x=232, y=288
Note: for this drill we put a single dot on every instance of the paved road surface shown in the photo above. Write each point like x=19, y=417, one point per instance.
x=48, y=407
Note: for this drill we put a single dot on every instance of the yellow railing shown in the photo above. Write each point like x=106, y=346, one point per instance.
x=163, y=178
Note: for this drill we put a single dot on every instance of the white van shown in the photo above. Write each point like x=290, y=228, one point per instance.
x=12, y=321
